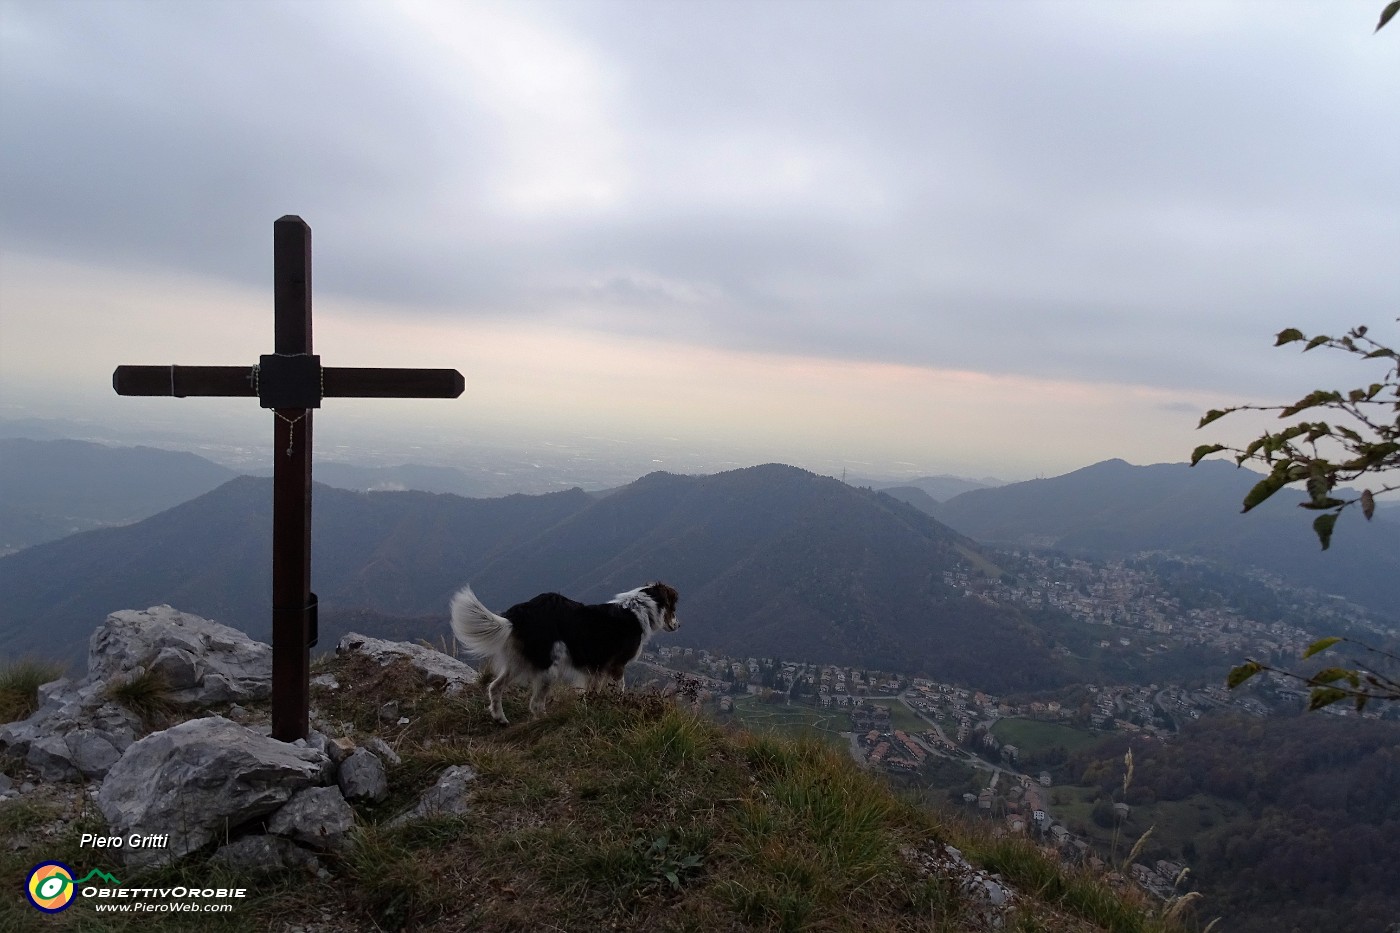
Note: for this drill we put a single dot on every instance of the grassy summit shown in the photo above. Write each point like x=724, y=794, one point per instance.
x=616, y=812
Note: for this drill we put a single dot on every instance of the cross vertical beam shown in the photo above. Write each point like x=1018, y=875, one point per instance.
x=291, y=490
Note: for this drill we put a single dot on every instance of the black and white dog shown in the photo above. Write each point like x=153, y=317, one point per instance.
x=552, y=637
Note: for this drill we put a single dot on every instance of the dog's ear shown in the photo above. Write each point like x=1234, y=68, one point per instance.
x=665, y=596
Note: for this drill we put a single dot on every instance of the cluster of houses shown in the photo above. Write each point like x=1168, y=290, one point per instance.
x=1021, y=810
x=1159, y=878
x=1132, y=600
x=961, y=709
x=893, y=751
x=1022, y=806
x=821, y=685
x=966, y=715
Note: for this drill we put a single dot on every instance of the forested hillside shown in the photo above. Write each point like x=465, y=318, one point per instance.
x=1308, y=836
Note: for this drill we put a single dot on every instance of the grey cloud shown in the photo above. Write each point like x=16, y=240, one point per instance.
x=1007, y=188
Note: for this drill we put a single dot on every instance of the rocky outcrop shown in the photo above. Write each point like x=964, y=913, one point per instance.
x=991, y=898
x=200, y=778
x=438, y=669
x=78, y=731
x=200, y=662
x=80, y=728
x=274, y=805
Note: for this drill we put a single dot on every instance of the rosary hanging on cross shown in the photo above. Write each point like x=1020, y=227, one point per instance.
x=291, y=427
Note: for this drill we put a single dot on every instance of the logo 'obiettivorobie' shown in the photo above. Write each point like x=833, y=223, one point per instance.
x=51, y=887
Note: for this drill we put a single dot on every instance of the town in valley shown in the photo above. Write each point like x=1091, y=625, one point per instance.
x=965, y=744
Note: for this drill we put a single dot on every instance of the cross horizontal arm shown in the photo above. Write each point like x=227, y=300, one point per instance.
x=365, y=382
x=181, y=381
x=336, y=381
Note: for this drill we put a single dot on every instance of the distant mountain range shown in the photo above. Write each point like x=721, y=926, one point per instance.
x=769, y=560
x=937, y=488
x=1116, y=509
x=51, y=488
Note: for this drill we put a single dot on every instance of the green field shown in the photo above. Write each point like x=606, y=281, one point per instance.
x=1033, y=736
x=793, y=721
x=902, y=717
x=798, y=720
x=1173, y=822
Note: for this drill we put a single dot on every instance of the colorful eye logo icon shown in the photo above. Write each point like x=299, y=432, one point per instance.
x=50, y=887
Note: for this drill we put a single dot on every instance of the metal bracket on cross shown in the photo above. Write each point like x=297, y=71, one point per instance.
x=291, y=381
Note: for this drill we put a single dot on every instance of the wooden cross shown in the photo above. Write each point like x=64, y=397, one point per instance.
x=291, y=382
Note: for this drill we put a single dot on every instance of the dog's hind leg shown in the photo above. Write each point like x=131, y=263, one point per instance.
x=539, y=693
x=493, y=696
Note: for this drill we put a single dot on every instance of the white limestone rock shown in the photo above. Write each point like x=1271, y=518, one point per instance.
x=316, y=816
x=448, y=797
x=79, y=731
x=361, y=776
x=204, y=662
x=76, y=732
x=200, y=778
x=439, y=669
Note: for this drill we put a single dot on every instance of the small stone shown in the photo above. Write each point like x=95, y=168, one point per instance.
x=448, y=797
x=316, y=816
x=340, y=749
x=382, y=749
x=362, y=777
x=254, y=854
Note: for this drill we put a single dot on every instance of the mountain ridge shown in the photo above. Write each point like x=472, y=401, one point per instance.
x=769, y=560
x=53, y=488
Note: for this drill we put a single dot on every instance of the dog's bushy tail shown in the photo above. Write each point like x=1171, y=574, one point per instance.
x=480, y=631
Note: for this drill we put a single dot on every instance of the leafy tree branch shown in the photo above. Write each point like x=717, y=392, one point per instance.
x=1325, y=455
x=1359, y=684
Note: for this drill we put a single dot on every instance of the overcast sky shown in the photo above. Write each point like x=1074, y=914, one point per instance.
x=1003, y=238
